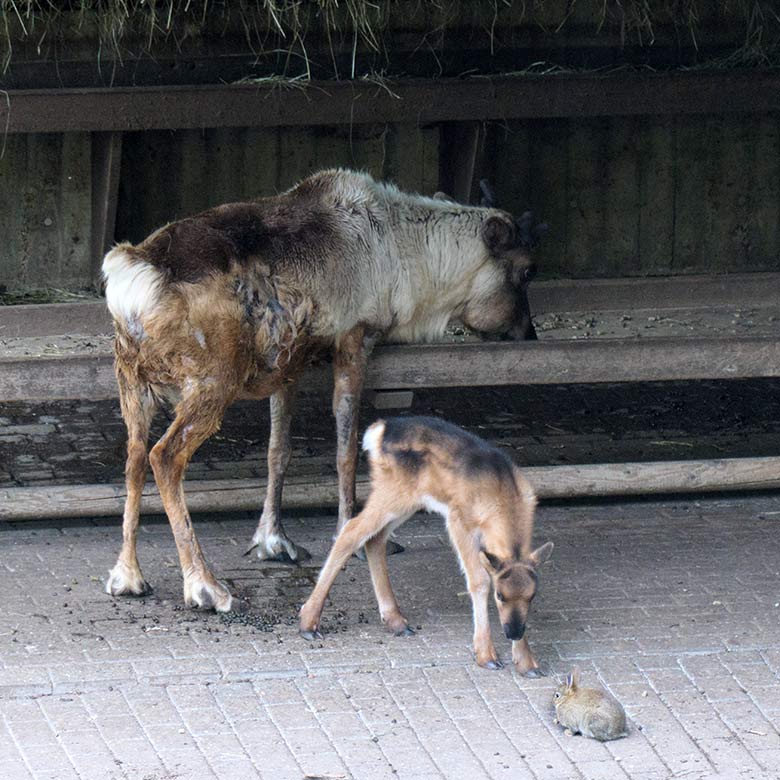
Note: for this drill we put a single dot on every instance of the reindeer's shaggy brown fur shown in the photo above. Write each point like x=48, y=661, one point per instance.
x=235, y=301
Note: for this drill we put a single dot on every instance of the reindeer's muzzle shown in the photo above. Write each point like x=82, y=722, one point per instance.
x=515, y=628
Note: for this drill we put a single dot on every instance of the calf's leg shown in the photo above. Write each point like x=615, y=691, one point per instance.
x=356, y=532
x=376, y=553
x=478, y=583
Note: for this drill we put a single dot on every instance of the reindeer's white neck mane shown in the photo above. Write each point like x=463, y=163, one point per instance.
x=435, y=243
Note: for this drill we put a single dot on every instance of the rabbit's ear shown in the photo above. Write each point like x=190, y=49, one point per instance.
x=573, y=678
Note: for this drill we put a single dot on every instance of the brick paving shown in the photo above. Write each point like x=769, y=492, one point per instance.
x=78, y=442
x=673, y=605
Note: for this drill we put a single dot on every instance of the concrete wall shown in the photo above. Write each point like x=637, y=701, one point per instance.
x=45, y=210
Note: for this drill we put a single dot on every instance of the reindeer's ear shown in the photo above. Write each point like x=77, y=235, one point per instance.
x=541, y=554
x=491, y=562
x=498, y=233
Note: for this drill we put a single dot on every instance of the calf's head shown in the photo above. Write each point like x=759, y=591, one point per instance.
x=515, y=583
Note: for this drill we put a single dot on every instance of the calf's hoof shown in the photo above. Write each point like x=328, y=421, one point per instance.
x=201, y=593
x=309, y=623
x=124, y=581
x=488, y=659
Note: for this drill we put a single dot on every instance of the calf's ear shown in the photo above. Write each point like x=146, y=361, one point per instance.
x=491, y=562
x=541, y=554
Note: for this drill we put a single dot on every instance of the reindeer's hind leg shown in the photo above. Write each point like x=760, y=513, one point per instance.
x=197, y=417
x=270, y=539
x=138, y=407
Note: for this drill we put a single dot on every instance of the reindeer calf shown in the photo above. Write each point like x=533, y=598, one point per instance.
x=420, y=463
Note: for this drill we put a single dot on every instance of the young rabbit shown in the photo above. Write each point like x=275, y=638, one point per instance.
x=589, y=711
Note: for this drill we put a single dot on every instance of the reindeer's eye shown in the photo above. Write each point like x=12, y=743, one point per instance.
x=499, y=596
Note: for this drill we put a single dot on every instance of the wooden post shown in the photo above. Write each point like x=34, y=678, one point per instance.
x=457, y=159
x=106, y=158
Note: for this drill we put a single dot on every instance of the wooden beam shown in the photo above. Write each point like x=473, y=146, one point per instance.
x=458, y=150
x=688, y=291
x=561, y=295
x=229, y=495
x=87, y=318
x=106, y=158
x=411, y=367
x=407, y=100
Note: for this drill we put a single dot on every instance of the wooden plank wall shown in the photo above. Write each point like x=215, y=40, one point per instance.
x=633, y=196
x=624, y=196
x=170, y=175
x=45, y=210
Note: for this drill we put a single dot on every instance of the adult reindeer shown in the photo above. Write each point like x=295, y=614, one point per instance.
x=235, y=302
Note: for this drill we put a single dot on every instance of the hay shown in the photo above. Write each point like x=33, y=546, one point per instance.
x=122, y=28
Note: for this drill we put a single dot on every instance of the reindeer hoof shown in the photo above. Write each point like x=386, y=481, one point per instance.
x=312, y=635
x=492, y=665
x=393, y=548
x=405, y=631
x=533, y=673
x=277, y=547
x=201, y=594
x=123, y=581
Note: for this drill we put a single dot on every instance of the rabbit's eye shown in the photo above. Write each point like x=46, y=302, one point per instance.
x=557, y=695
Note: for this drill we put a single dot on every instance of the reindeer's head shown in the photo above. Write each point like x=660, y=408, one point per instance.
x=500, y=308
x=515, y=583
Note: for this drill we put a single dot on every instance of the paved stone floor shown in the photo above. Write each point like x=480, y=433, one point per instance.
x=673, y=605
x=78, y=442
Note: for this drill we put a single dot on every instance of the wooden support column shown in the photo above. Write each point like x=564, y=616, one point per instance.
x=460, y=143
x=106, y=158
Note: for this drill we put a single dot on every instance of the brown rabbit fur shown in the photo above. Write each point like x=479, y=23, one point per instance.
x=588, y=711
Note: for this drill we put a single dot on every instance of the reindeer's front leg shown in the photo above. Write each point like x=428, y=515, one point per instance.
x=349, y=373
x=270, y=539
